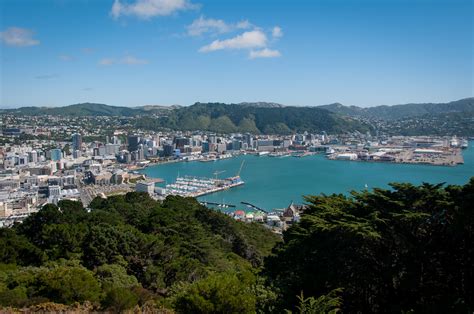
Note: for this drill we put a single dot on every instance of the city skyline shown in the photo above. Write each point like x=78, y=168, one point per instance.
x=149, y=52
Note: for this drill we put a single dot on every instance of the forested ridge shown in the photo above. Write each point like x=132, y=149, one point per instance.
x=407, y=249
x=228, y=118
x=405, y=111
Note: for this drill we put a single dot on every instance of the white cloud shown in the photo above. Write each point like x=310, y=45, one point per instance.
x=18, y=37
x=66, y=58
x=130, y=60
x=146, y=9
x=107, y=61
x=244, y=24
x=264, y=53
x=203, y=25
x=277, y=32
x=87, y=50
x=247, y=40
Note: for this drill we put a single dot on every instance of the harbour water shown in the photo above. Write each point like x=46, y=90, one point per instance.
x=272, y=182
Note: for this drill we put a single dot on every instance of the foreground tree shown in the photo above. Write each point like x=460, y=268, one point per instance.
x=407, y=248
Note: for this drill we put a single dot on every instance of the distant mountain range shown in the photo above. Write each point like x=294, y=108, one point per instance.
x=403, y=111
x=379, y=112
x=88, y=109
x=267, y=117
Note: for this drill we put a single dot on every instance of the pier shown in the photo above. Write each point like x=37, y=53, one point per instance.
x=217, y=204
x=256, y=207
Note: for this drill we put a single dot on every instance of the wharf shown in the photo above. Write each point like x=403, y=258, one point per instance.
x=217, y=204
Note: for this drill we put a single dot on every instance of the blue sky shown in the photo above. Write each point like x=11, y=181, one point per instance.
x=298, y=52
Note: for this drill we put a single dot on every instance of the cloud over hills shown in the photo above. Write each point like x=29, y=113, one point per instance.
x=18, y=37
x=146, y=9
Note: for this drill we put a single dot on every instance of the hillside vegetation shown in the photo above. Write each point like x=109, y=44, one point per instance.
x=129, y=250
x=403, y=111
x=223, y=118
x=408, y=249
x=405, y=250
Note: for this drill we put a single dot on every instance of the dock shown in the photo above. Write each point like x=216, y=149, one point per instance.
x=255, y=207
x=217, y=204
x=189, y=186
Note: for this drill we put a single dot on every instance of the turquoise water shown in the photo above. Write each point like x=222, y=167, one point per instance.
x=275, y=182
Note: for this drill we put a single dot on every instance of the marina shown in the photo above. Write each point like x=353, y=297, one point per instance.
x=189, y=186
x=193, y=186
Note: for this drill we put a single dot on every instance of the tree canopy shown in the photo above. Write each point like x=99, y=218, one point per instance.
x=398, y=250
x=389, y=250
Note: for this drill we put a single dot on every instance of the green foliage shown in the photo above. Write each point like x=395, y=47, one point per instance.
x=16, y=249
x=119, y=299
x=407, y=248
x=67, y=284
x=128, y=250
x=218, y=293
x=404, y=249
x=248, y=125
x=63, y=282
x=115, y=276
x=404, y=111
x=329, y=303
x=14, y=297
x=222, y=118
x=222, y=124
x=453, y=118
x=85, y=109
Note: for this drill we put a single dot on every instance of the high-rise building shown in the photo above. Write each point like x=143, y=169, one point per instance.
x=133, y=142
x=168, y=150
x=140, y=153
x=56, y=154
x=76, y=154
x=181, y=142
x=76, y=141
x=33, y=156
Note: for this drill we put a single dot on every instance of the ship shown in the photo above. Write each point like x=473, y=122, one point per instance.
x=464, y=144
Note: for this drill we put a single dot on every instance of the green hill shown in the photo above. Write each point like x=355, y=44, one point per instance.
x=224, y=118
x=403, y=111
x=85, y=109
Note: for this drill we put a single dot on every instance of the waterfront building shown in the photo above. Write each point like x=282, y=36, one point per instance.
x=181, y=142
x=221, y=147
x=236, y=145
x=168, y=150
x=147, y=187
x=205, y=146
x=140, y=153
